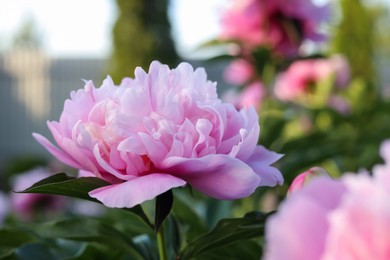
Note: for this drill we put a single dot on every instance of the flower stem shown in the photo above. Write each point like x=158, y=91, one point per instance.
x=162, y=251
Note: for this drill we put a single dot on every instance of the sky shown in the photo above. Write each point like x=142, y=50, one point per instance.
x=83, y=28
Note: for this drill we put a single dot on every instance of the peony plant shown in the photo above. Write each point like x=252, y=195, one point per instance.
x=161, y=130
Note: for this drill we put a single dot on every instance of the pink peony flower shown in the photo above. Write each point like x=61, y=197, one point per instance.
x=252, y=95
x=159, y=131
x=281, y=25
x=28, y=204
x=239, y=72
x=301, y=76
x=329, y=219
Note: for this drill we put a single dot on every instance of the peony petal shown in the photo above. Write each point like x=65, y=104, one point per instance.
x=59, y=154
x=261, y=161
x=131, y=193
x=217, y=175
x=109, y=168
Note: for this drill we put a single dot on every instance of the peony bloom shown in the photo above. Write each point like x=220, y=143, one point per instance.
x=329, y=219
x=239, y=72
x=252, y=95
x=301, y=77
x=158, y=131
x=28, y=204
x=279, y=24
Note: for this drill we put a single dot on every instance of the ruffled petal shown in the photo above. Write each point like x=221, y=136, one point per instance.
x=131, y=193
x=217, y=175
x=261, y=161
x=59, y=154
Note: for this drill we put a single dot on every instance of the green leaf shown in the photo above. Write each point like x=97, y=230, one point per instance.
x=14, y=238
x=163, y=207
x=34, y=251
x=61, y=184
x=246, y=249
x=226, y=232
x=89, y=230
x=183, y=210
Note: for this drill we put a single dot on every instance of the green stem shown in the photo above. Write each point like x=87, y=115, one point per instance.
x=162, y=251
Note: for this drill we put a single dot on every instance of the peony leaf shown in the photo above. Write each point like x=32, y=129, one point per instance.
x=61, y=184
x=14, y=237
x=227, y=231
x=90, y=230
x=184, y=211
x=164, y=204
x=246, y=249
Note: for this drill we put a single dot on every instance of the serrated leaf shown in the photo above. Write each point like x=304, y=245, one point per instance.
x=227, y=231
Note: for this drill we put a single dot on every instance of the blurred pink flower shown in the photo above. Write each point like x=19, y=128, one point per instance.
x=159, y=131
x=282, y=25
x=329, y=219
x=239, y=72
x=304, y=178
x=252, y=95
x=339, y=104
x=28, y=204
x=302, y=76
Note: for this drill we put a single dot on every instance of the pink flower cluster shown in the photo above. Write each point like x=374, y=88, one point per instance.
x=161, y=130
x=279, y=24
x=301, y=77
x=329, y=219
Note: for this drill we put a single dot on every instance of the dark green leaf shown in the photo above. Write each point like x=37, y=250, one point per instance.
x=61, y=184
x=89, y=230
x=34, y=251
x=227, y=231
x=14, y=238
x=183, y=210
x=246, y=249
x=163, y=207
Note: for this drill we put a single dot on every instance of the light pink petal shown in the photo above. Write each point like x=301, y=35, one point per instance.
x=109, y=168
x=301, y=223
x=78, y=154
x=249, y=134
x=217, y=175
x=59, y=154
x=131, y=193
x=155, y=148
x=261, y=161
